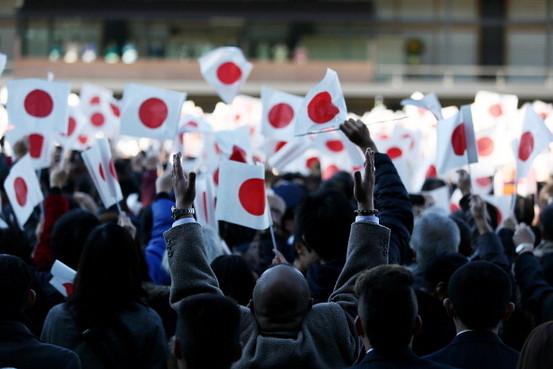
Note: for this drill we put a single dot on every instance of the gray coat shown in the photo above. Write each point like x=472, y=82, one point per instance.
x=327, y=337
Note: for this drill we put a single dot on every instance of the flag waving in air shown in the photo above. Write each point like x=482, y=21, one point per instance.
x=62, y=278
x=280, y=110
x=241, y=197
x=23, y=189
x=151, y=112
x=323, y=108
x=226, y=70
x=456, y=141
x=430, y=102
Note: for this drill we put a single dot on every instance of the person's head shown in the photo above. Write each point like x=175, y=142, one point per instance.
x=69, y=235
x=387, y=308
x=536, y=352
x=479, y=296
x=108, y=279
x=437, y=273
x=208, y=332
x=434, y=234
x=524, y=210
x=15, y=287
x=322, y=224
x=545, y=196
x=546, y=223
x=281, y=299
x=235, y=277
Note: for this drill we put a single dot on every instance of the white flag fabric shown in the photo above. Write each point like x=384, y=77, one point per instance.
x=63, y=278
x=37, y=106
x=150, y=112
x=324, y=106
x=100, y=166
x=534, y=139
x=204, y=202
x=456, y=145
x=23, y=189
x=234, y=144
x=280, y=110
x=429, y=102
x=241, y=197
x=3, y=60
x=92, y=95
x=226, y=70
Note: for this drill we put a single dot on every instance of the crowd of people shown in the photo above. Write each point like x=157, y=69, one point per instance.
x=358, y=274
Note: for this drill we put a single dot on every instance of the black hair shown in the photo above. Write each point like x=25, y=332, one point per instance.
x=546, y=222
x=440, y=268
x=432, y=184
x=108, y=280
x=480, y=292
x=323, y=221
x=15, y=282
x=69, y=235
x=206, y=322
x=235, y=277
x=387, y=307
x=524, y=209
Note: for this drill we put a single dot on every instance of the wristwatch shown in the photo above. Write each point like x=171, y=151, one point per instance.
x=181, y=213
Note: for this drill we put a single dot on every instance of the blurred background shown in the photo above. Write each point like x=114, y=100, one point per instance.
x=383, y=50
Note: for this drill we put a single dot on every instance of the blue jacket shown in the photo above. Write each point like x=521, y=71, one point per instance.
x=401, y=360
x=162, y=221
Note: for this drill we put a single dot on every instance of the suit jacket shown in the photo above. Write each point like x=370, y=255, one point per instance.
x=403, y=360
x=20, y=349
x=537, y=294
x=477, y=350
x=327, y=336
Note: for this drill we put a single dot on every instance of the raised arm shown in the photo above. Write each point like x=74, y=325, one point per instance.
x=190, y=270
x=368, y=241
x=390, y=196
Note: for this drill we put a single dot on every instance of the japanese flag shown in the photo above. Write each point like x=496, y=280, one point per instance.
x=101, y=168
x=40, y=146
x=204, y=202
x=429, y=102
x=36, y=105
x=503, y=205
x=234, y=144
x=92, y=95
x=23, y=189
x=534, y=139
x=280, y=110
x=289, y=153
x=241, y=197
x=63, y=278
x=226, y=70
x=324, y=106
x=456, y=143
x=150, y=112
x=76, y=136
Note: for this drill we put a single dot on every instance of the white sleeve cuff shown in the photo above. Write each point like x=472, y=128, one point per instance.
x=182, y=221
x=367, y=219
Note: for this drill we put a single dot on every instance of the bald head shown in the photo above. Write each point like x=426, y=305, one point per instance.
x=281, y=299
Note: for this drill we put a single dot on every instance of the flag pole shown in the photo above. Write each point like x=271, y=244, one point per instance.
x=273, y=239
x=338, y=128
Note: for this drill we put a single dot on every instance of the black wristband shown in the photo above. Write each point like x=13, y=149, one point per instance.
x=366, y=212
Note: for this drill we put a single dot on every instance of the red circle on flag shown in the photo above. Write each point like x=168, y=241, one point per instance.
x=216, y=177
x=394, y=152
x=38, y=103
x=192, y=124
x=36, y=142
x=483, y=181
x=21, y=190
x=281, y=115
x=101, y=171
x=153, y=112
x=97, y=119
x=115, y=109
x=71, y=126
x=280, y=145
x=238, y=154
x=526, y=146
x=334, y=145
x=252, y=196
x=312, y=162
x=112, y=169
x=330, y=171
x=95, y=100
x=431, y=171
x=485, y=146
x=321, y=109
x=459, y=140
x=229, y=73
x=83, y=139
x=496, y=110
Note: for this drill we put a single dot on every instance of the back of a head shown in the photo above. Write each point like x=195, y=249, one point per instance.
x=546, y=222
x=323, y=222
x=69, y=235
x=480, y=292
x=208, y=331
x=235, y=277
x=387, y=307
x=537, y=351
x=15, y=282
x=108, y=278
x=442, y=267
x=434, y=234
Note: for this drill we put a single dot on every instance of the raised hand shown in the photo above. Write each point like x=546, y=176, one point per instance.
x=184, y=185
x=480, y=214
x=363, y=188
x=358, y=133
x=464, y=182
